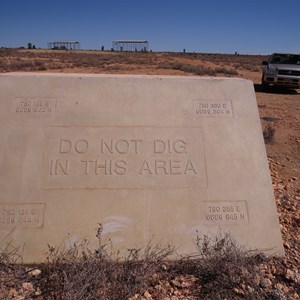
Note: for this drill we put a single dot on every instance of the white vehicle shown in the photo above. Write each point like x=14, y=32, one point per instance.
x=282, y=69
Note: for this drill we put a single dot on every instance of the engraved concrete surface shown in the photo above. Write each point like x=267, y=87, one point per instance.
x=148, y=157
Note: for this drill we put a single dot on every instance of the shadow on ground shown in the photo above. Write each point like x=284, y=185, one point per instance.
x=274, y=90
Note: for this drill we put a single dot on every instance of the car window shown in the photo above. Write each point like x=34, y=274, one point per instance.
x=285, y=59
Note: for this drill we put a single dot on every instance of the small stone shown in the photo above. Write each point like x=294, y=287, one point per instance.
x=266, y=282
x=238, y=291
x=185, y=284
x=35, y=272
x=290, y=274
x=293, y=208
x=176, y=282
x=250, y=289
x=164, y=267
x=147, y=295
x=155, y=276
x=27, y=287
x=12, y=293
x=38, y=292
x=158, y=287
x=257, y=279
x=278, y=294
x=286, y=290
x=279, y=286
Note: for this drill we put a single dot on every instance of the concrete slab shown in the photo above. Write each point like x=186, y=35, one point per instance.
x=148, y=157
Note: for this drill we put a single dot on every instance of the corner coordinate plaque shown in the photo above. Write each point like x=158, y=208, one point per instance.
x=17, y=215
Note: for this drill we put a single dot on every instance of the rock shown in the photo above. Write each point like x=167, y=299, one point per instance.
x=279, y=286
x=158, y=288
x=12, y=293
x=239, y=291
x=185, y=284
x=290, y=274
x=269, y=276
x=175, y=282
x=286, y=290
x=35, y=272
x=147, y=295
x=266, y=282
x=38, y=292
x=27, y=287
x=278, y=295
x=177, y=293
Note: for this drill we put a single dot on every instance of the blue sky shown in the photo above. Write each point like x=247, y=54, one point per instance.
x=215, y=26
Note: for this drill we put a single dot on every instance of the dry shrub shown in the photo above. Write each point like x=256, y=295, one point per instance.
x=220, y=270
x=3, y=66
x=268, y=133
x=21, y=65
x=268, y=118
x=6, y=52
x=136, y=272
x=80, y=273
x=226, y=71
x=224, y=269
x=187, y=68
x=70, y=274
x=10, y=253
x=40, y=65
x=197, y=70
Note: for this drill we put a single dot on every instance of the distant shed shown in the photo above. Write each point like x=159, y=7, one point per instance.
x=131, y=45
x=64, y=45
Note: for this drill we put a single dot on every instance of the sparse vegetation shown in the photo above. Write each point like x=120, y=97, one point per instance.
x=111, y=61
x=221, y=270
x=79, y=273
x=187, y=68
x=197, y=70
x=9, y=254
x=225, y=269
